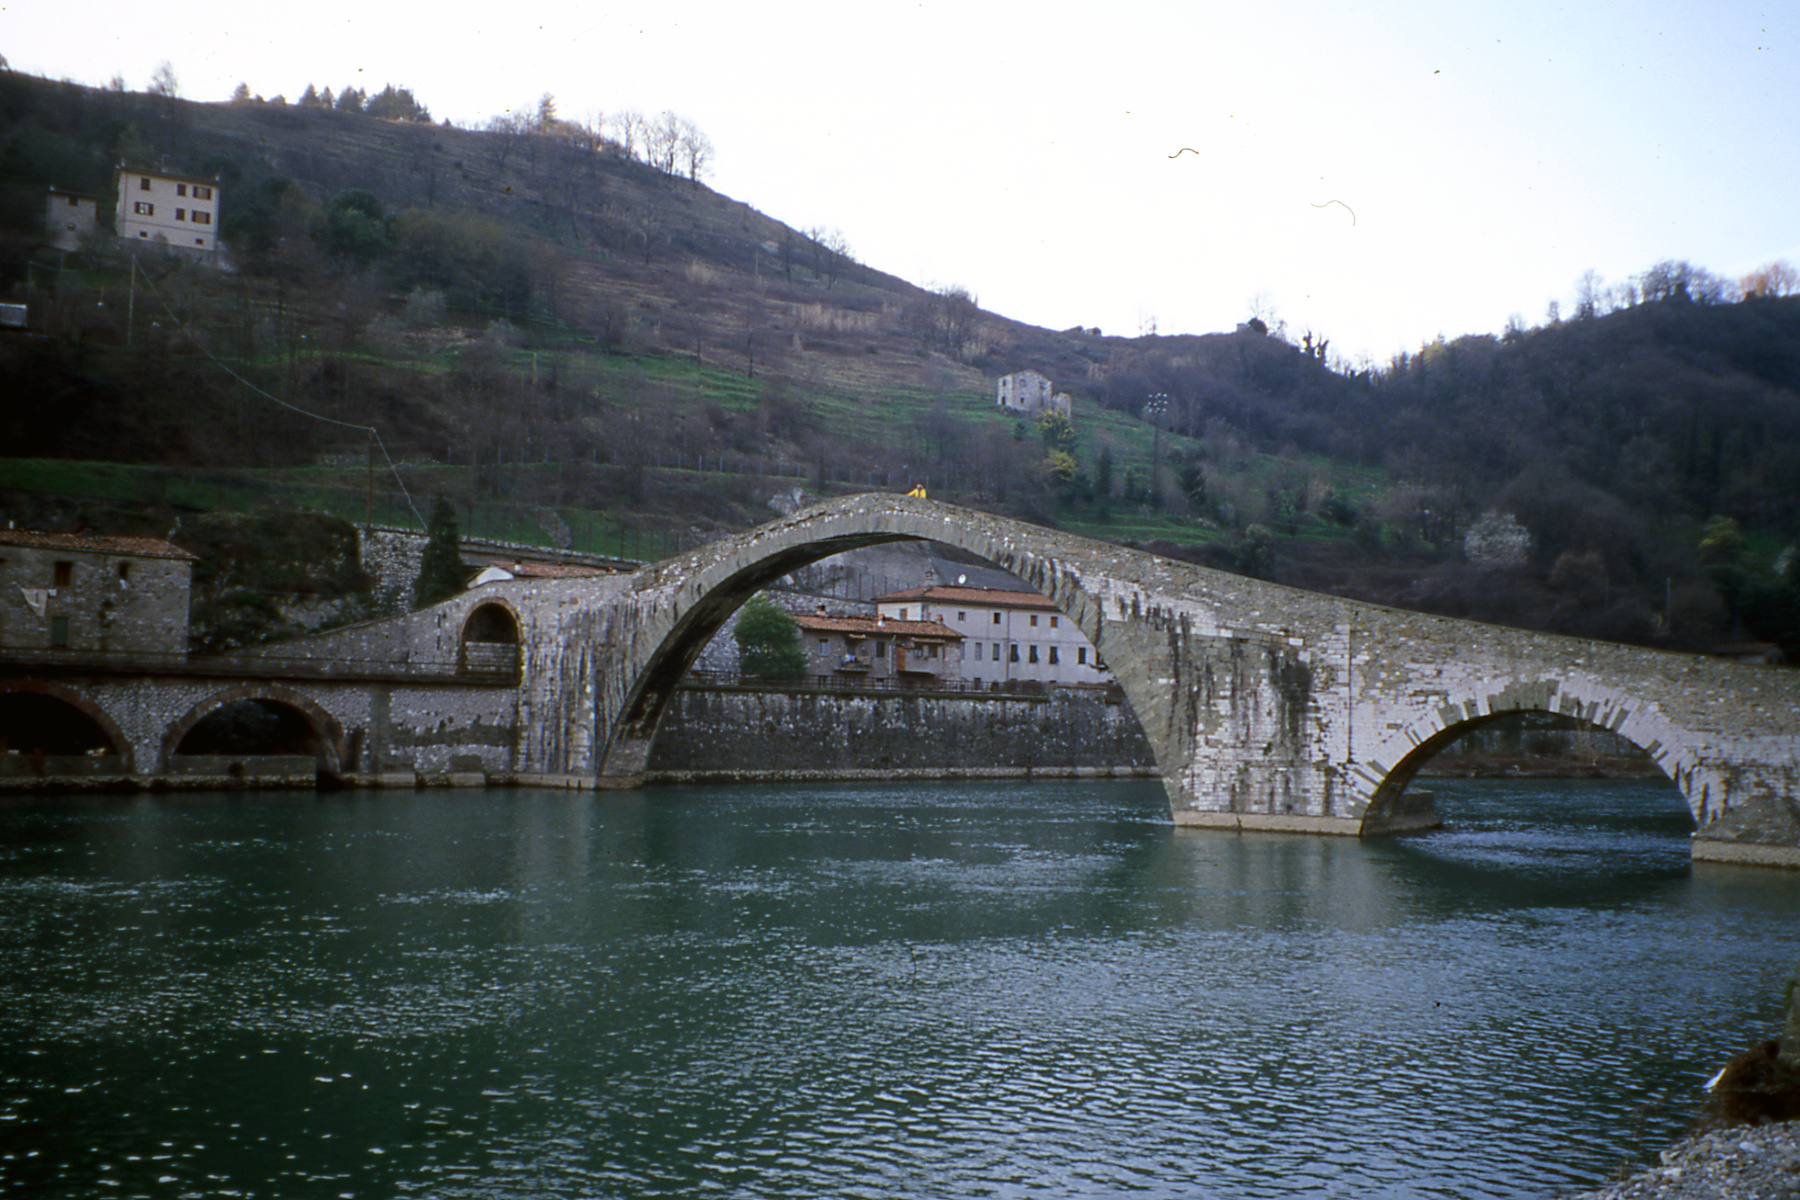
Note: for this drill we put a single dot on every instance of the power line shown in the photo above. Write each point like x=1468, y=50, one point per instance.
x=373, y=432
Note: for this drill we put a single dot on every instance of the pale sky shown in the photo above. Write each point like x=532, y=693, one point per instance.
x=1379, y=173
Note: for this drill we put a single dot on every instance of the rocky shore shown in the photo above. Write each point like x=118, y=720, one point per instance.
x=1745, y=1162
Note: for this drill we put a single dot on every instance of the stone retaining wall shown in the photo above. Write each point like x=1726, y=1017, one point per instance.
x=739, y=733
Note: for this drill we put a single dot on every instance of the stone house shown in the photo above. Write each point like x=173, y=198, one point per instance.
x=75, y=591
x=173, y=212
x=1030, y=392
x=1008, y=638
x=69, y=217
x=852, y=649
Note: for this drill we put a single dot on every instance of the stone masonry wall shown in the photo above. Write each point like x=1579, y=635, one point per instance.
x=725, y=729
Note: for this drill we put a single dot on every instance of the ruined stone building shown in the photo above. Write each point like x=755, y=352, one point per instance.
x=73, y=591
x=1030, y=392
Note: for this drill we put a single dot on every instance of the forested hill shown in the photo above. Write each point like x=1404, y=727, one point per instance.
x=577, y=344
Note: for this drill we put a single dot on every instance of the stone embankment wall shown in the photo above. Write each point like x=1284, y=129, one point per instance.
x=731, y=732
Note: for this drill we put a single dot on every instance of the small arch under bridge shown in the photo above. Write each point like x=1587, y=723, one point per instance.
x=1267, y=707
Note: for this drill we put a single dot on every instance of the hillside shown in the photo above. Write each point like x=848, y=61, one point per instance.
x=579, y=348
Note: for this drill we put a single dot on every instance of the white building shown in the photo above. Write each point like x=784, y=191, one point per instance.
x=174, y=212
x=1029, y=392
x=1008, y=638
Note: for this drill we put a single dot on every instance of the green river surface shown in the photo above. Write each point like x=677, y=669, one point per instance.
x=1013, y=989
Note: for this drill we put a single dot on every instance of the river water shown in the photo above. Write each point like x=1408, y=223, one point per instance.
x=1009, y=990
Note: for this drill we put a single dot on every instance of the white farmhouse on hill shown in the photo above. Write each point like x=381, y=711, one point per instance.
x=173, y=212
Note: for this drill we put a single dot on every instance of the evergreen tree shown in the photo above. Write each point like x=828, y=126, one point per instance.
x=768, y=642
x=441, y=572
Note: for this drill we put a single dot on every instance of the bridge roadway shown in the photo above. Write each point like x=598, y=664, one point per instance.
x=1267, y=707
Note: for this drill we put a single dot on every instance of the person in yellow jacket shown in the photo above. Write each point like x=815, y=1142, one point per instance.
x=918, y=490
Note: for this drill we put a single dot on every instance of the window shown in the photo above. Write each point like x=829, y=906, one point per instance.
x=1081, y=655
x=1053, y=622
x=124, y=572
x=74, y=202
x=996, y=618
x=144, y=208
x=201, y=218
x=903, y=614
x=1053, y=659
x=880, y=648
x=181, y=214
x=181, y=189
x=961, y=615
x=64, y=574
x=931, y=650
x=202, y=193
x=143, y=184
x=824, y=644
x=59, y=633
x=996, y=651
x=1013, y=653
x=1034, y=620
x=1033, y=655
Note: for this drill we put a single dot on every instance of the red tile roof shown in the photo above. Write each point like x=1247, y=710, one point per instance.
x=865, y=626
x=87, y=543
x=997, y=597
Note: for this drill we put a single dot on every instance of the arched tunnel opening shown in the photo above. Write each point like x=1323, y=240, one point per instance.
x=490, y=640
x=1538, y=743
x=1545, y=777
x=34, y=725
x=254, y=728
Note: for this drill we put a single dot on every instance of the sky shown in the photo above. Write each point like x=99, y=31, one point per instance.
x=1378, y=174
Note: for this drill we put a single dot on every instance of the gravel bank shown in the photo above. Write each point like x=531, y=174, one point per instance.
x=1760, y=1162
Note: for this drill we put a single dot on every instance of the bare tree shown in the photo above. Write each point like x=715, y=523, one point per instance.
x=662, y=143
x=695, y=149
x=831, y=251
x=1778, y=278
x=163, y=82
x=509, y=131
x=629, y=129
x=1590, y=293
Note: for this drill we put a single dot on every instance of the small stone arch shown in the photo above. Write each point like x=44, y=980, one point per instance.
x=1432, y=733
x=87, y=707
x=490, y=638
x=326, y=728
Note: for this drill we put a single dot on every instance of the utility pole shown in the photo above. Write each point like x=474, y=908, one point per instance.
x=131, y=305
x=1154, y=409
x=369, y=484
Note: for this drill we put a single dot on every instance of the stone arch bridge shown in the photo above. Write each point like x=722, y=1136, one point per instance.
x=1266, y=707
